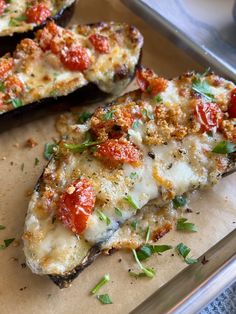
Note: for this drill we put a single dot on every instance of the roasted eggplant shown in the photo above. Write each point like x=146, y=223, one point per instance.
x=168, y=138
x=90, y=61
x=19, y=20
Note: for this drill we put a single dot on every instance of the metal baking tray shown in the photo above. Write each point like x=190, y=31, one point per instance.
x=198, y=284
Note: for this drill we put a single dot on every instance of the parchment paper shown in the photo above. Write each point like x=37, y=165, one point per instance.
x=214, y=211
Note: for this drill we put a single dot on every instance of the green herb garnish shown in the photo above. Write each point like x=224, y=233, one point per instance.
x=148, y=232
x=182, y=224
x=183, y=250
x=105, y=279
x=118, y=212
x=131, y=202
x=224, y=148
x=133, y=175
x=202, y=88
x=2, y=87
x=148, y=272
x=2, y=227
x=134, y=224
x=104, y=298
x=16, y=21
x=136, y=124
x=7, y=242
x=79, y=148
x=84, y=117
x=147, y=250
x=108, y=115
x=103, y=217
x=179, y=201
x=16, y=103
x=49, y=150
x=158, y=98
x=148, y=114
x=36, y=161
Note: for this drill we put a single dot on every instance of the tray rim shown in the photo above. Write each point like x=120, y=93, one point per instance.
x=224, y=252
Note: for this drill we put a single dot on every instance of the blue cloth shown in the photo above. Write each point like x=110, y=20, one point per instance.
x=225, y=303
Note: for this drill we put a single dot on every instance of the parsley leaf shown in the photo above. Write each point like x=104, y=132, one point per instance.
x=131, y=202
x=118, y=212
x=104, y=298
x=182, y=224
x=133, y=175
x=84, y=117
x=16, y=103
x=202, y=88
x=49, y=150
x=158, y=98
x=179, y=201
x=224, y=148
x=147, y=250
x=105, y=279
x=103, y=217
x=2, y=87
x=36, y=161
x=183, y=250
x=134, y=224
x=7, y=242
x=148, y=272
x=108, y=115
x=2, y=227
x=79, y=148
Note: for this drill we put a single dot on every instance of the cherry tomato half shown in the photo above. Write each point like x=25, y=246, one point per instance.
x=149, y=82
x=75, y=58
x=232, y=108
x=100, y=43
x=76, y=205
x=114, y=150
x=38, y=13
x=209, y=115
x=2, y=6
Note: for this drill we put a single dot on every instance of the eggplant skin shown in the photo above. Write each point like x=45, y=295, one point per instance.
x=66, y=280
x=9, y=43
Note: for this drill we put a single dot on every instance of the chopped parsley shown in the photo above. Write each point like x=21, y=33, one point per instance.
x=131, y=202
x=103, y=217
x=148, y=272
x=202, y=88
x=36, y=161
x=148, y=232
x=84, y=117
x=2, y=227
x=2, y=87
x=16, y=102
x=79, y=148
x=49, y=150
x=158, y=98
x=183, y=250
x=15, y=21
x=104, y=298
x=147, y=250
x=108, y=115
x=179, y=201
x=133, y=175
x=224, y=148
x=118, y=212
x=7, y=242
x=105, y=279
x=183, y=224
x=134, y=224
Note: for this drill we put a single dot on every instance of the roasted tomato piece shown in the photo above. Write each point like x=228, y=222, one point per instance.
x=13, y=85
x=6, y=65
x=75, y=58
x=76, y=205
x=46, y=35
x=2, y=6
x=149, y=82
x=209, y=115
x=232, y=108
x=117, y=151
x=100, y=43
x=38, y=13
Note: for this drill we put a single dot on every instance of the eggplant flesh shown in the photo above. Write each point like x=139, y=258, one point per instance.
x=169, y=167
x=77, y=88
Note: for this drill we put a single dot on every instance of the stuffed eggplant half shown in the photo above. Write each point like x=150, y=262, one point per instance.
x=163, y=140
x=100, y=59
x=18, y=19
